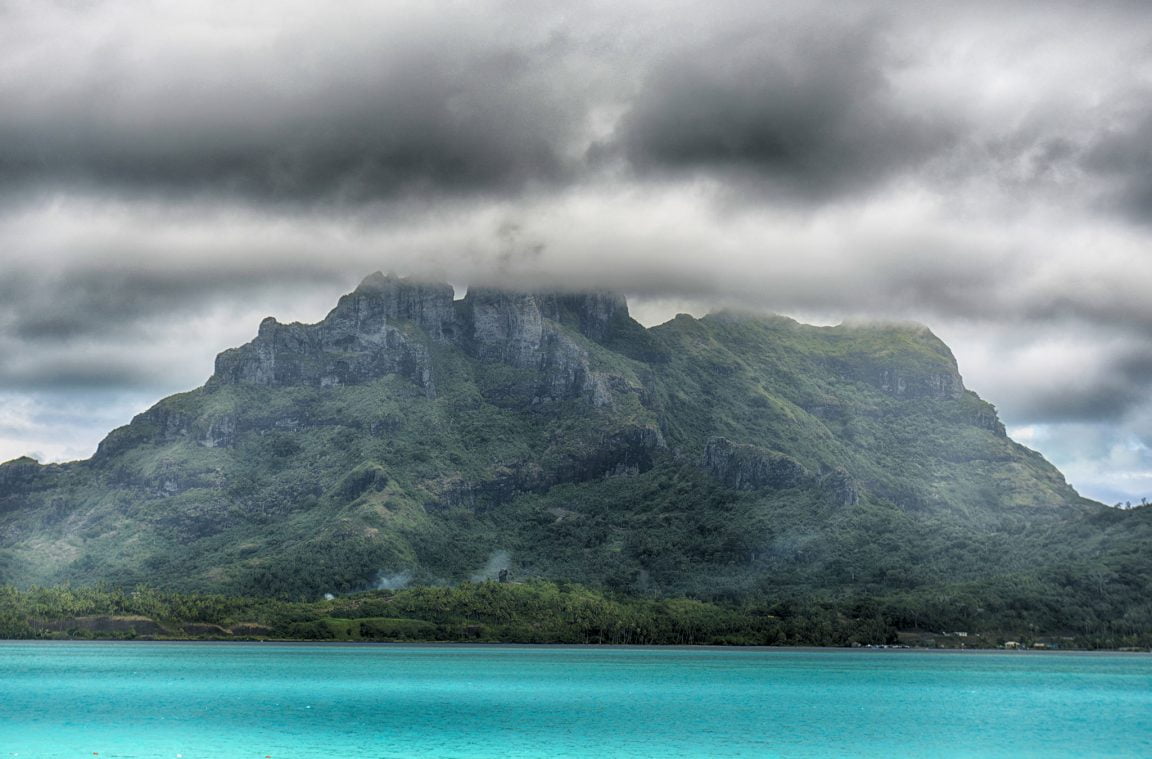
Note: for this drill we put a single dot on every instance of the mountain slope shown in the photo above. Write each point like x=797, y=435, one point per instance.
x=409, y=437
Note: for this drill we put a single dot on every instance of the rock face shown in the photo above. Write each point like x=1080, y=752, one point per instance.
x=932, y=374
x=984, y=416
x=390, y=325
x=749, y=467
x=20, y=474
x=920, y=385
x=505, y=327
x=368, y=335
x=594, y=315
x=20, y=477
x=525, y=330
x=381, y=300
x=842, y=487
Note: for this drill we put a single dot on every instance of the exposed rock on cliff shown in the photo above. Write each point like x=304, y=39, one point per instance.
x=381, y=300
x=749, y=467
x=389, y=325
x=369, y=334
x=524, y=330
x=594, y=315
x=842, y=487
x=326, y=354
x=21, y=476
x=903, y=384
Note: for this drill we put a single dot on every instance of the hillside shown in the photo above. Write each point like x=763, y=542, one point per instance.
x=410, y=438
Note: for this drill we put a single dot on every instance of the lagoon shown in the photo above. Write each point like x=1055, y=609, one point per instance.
x=190, y=700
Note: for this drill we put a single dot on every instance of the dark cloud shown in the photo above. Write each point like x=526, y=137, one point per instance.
x=504, y=99
x=808, y=110
x=83, y=374
x=316, y=115
x=1122, y=156
x=81, y=303
x=140, y=329
x=1106, y=399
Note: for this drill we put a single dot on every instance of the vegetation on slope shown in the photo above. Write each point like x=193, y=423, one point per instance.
x=731, y=459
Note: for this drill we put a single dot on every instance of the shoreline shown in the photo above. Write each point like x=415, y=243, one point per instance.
x=572, y=646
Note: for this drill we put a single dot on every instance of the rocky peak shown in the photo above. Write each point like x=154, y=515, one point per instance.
x=497, y=317
x=515, y=328
x=505, y=326
x=593, y=314
x=389, y=324
x=368, y=334
x=381, y=300
x=20, y=474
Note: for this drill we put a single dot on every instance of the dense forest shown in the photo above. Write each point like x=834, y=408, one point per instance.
x=547, y=612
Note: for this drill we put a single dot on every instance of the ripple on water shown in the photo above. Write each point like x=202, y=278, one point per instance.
x=303, y=701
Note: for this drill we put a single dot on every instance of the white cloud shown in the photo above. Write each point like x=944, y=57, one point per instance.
x=54, y=427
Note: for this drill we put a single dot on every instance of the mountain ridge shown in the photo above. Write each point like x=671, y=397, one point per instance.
x=550, y=435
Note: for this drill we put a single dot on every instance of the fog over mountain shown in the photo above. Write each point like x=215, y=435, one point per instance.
x=171, y=172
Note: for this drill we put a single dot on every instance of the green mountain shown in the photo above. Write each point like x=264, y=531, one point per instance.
x=410, y=438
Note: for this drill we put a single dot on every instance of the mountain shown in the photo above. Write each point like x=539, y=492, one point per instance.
x=413, y=438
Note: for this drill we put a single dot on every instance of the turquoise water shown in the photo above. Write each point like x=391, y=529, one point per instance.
x=300, y=701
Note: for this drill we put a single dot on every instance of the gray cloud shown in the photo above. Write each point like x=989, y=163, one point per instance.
x=85, y=327
x=1121, y=156
x=809, y=110
x=80, y=303
x=377, y=104
x=325, y=113
x=1106, y=398
x=171, y=172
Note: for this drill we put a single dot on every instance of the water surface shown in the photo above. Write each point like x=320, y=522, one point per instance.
x=302, y=701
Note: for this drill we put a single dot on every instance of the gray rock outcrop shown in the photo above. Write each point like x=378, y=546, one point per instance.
x=749, y=467
x=368, y=335
x=842, y=487
x=904, y=384
x=22, y=475
x=593, y=315
x=525, y=330
x=390, y=325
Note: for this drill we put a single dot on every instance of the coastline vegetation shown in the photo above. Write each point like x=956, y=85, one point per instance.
x=491, y=612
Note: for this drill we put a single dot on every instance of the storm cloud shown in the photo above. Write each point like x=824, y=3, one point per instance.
x=810, y=111
x=171, y=172
x=301, y=106
x=142, y=97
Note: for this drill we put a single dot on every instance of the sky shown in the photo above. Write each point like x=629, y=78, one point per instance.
x=171, y=172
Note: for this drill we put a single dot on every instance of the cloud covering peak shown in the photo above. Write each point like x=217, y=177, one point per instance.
x=171, y=172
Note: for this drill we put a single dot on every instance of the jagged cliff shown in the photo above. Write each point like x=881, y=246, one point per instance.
x=391, y=326
x=411, y=434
